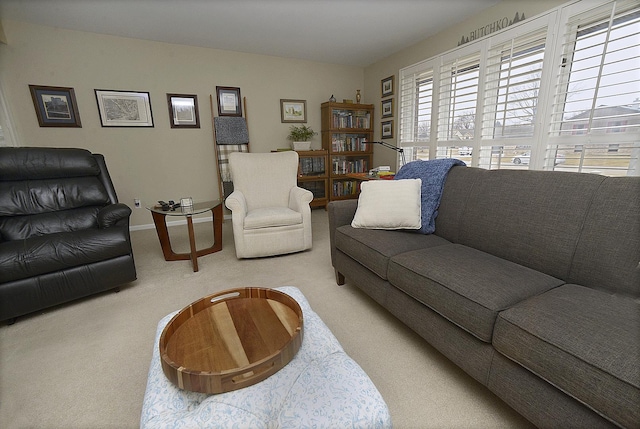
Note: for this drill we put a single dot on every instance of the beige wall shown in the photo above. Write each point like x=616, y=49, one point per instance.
x=441, y=42
x=160, y=162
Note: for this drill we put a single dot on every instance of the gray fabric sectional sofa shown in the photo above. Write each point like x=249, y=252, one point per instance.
x=530, y=284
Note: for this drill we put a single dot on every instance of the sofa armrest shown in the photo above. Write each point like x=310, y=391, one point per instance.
x=114, y=214
x=340, y=213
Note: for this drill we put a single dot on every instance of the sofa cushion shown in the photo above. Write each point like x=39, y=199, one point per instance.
x=32, y=163
x=465, y=285
x=607, y=256
x=393, y=204
x=373, y=248
x=21, y=227
x=43, y=196
x=584, y=341
x=532, y=218
x=269, y=217
x=53, y=252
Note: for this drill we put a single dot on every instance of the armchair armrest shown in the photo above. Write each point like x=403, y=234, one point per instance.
x=299, y=198
x=237, y=203
x=114, y=214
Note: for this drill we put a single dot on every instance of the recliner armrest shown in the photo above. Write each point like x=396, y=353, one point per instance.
x=113, y=214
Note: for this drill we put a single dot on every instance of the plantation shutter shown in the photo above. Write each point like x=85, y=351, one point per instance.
x=416, y=104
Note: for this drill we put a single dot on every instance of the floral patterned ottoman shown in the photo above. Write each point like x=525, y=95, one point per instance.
x=321, y=387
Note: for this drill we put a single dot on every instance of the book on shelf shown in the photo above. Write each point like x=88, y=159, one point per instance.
x=343, y=165
x=345, y=187
x=346, y=143
x=351, y=119
x=312, y=166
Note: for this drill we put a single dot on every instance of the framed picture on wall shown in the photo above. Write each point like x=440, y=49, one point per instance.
x=183, y=111
x=293, y=110
x=387, y=86
x=387, y=108
x=124, y=108
x=55, y=106
x=228, y=101
x=387, y=129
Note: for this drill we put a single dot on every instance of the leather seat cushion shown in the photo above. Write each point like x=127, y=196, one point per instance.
x=584, y=341
x=465, y=285
x=268, y=217
x=53, y=252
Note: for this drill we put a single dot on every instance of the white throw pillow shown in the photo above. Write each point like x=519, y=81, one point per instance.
x=389, y=204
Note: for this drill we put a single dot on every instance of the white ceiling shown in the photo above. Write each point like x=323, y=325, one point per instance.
x=350, y=32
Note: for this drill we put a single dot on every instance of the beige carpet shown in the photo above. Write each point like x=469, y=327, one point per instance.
x=84, y=364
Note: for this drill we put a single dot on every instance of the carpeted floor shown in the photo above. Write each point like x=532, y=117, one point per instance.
x=84, y=364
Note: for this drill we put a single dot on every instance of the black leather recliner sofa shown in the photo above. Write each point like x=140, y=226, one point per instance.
x=63, y=234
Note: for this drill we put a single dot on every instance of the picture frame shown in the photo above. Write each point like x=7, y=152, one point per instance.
x=293, y=111
x=387, y=129
x=387, y=86
x=124, y=108
x=183, y=111
x=387, y=108
x=229, y=103
x=55, y=106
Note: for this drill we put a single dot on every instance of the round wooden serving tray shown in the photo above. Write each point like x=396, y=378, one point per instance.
x=231, y=339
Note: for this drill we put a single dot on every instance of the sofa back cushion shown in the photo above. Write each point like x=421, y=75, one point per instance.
x=47, y=190
x=455, y=195
x=532, y=218
x=607, y=254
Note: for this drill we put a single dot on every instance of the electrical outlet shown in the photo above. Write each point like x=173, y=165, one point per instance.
x=136, y=203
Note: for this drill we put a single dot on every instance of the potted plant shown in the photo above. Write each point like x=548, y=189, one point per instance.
x=300, y=136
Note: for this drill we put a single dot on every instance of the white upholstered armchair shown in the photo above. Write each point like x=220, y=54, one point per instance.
x=269, y=212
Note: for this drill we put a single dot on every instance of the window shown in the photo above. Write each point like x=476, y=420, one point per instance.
x=555, y=92
x=416, y=95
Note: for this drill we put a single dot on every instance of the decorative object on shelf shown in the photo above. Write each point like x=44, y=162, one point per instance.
x=347, y=101
x=293, y=111
x=332, y=99
x=300, y=136
x=387, y=108
x=55, y=106
x=124, y=108
x=387, y=129
x=396, y=148
x=183, y=111
x=229, y=103
x=387, y=86
x=358, y=96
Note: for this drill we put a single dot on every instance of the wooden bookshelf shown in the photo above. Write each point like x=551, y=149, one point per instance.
x=347, y=130
x=313, y=175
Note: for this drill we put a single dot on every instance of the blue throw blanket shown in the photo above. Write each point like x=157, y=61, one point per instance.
x=433, y=174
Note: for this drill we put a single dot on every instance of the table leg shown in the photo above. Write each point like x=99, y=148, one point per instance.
x=163, y=235
x=192, y=244
x=216, y=212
